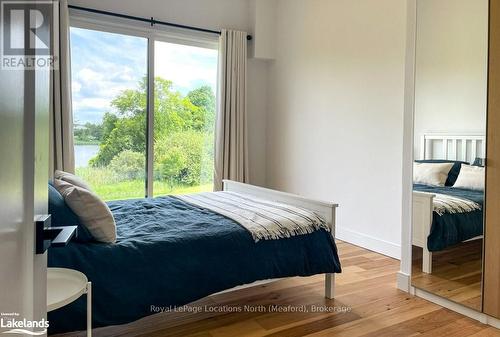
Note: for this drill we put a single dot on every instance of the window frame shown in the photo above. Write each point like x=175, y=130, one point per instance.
x=109, y=24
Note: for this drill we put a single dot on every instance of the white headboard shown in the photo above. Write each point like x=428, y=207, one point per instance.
x=463, y=147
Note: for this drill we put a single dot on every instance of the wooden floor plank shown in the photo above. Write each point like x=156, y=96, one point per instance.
x=420, y=325
x=456, y=273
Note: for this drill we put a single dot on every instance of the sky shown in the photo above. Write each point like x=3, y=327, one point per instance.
x=104, y=64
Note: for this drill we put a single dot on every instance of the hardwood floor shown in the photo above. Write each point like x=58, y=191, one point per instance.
x=456, y=273
x=367, y=304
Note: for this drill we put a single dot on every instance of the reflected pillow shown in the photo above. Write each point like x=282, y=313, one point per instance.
x=471, y=178
x=72, y=179
x=478, y=162
x=92, y=212
x=454, y=172
x=432, y=174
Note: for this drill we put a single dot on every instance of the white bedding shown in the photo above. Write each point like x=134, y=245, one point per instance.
x=264, y=219
x=448, y=204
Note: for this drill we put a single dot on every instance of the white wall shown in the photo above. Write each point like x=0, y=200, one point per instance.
x=213, y=14
x=451, y=67
x=264, y=16
x=257, y=128
x=335, y=118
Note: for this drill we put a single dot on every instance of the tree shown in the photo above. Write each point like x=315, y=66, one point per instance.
x=125, y=129
x=197, y=148
x=128, y=133
x=181, y=127
x=129, y=165
x=172, y=166
x=88, y=133
x=204, y=98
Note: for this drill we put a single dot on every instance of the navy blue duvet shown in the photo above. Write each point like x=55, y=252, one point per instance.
x=170, y=253
x=450, y=229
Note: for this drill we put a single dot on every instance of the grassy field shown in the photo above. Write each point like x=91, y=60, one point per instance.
x=106, y=185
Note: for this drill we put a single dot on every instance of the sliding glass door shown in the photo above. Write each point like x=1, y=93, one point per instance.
x=184, y=118
x=111, y=92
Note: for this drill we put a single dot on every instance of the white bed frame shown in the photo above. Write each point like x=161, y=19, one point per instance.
x=325, y=209
x=460, y=147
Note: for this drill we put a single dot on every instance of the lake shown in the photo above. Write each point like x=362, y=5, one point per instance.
x=83, y=153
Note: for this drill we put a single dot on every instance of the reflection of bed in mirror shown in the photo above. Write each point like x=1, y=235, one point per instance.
x=435, y=232
x=449, y=127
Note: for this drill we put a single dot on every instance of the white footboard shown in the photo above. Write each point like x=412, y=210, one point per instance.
x=322, y=208
x=423, y=209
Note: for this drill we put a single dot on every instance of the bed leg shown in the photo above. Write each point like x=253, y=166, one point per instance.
x=426, y=261
x=330, y=286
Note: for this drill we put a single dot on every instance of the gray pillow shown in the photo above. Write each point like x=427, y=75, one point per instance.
x=72, y=179
x=92, y=212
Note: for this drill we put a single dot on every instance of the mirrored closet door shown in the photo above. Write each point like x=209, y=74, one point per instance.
x=450, y=146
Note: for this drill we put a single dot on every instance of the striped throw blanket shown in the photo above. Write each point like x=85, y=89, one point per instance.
x=265, y=220
x=448, y=204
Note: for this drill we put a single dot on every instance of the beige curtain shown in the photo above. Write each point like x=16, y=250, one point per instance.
x=231, y=150
x=61, y=135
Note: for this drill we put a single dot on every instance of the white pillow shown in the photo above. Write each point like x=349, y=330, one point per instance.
x=471, y=178
x=433, y=174
x=92, y=212
x=72, y=179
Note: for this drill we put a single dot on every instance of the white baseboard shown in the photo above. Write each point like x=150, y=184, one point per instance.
x=494, y=322
x=403, y=281
x=369, y=242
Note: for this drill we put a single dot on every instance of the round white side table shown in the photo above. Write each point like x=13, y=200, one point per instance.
x=65, y=286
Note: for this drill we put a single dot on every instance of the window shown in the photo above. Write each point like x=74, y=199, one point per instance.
x=110, y=78
x=109, y=112
x=185, y=79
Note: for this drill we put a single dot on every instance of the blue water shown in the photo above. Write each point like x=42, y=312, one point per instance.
x=83, y=153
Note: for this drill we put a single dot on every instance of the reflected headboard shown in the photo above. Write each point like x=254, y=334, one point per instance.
x=460, y=147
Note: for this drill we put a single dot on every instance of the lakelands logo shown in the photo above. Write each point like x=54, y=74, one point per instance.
x=27, y=29
x=13, y=324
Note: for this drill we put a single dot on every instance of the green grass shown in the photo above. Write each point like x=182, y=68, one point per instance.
x=161, y=188
x=105, y=184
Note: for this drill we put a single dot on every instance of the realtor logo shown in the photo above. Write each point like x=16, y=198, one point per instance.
x=12, y=324
x=27, y=28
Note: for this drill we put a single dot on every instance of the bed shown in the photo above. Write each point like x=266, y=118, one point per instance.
x=170, y=253
x=431, y=231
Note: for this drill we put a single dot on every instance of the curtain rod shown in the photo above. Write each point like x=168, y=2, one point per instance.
x=151, y=20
